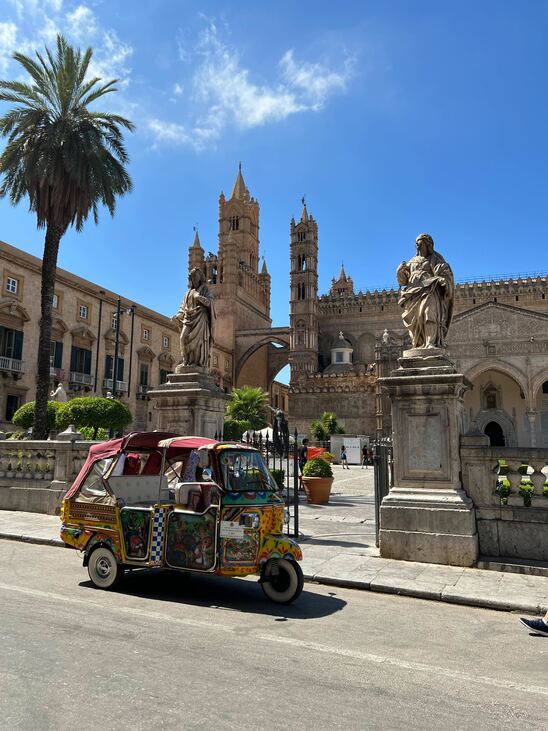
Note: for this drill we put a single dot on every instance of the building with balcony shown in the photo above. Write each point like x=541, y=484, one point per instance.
x=82, y=340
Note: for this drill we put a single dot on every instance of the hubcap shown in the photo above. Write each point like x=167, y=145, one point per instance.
x=103, y=567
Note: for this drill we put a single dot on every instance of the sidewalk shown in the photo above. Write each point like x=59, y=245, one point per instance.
x=338, y=542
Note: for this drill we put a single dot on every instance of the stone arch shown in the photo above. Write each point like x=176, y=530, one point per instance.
x=536, y=383
x=504, y=367
x=484, y=418
x=278, y=357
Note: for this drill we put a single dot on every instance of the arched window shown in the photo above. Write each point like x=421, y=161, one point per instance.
x=301, y=236
x=234, y=223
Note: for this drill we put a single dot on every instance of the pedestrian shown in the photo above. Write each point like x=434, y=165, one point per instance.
x=364, y=456
x=344, y=460
x=537, y=626
x=303, y=457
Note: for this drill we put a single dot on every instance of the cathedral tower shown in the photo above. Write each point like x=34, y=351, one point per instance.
x=303, y=301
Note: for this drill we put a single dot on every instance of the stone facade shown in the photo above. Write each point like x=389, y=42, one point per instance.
x=498, y=341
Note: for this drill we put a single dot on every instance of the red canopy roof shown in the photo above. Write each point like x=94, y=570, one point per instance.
x=137, y=440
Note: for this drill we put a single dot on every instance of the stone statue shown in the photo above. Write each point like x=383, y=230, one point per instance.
x=427, y=295
x=385, y=337
x=59, y=394
x=196, y=318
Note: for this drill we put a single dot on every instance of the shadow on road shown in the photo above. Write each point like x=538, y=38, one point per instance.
x=327, y=540
x=223, y=593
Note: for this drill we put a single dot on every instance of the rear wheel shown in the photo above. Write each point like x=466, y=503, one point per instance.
x=104, y=570
x=282, y=580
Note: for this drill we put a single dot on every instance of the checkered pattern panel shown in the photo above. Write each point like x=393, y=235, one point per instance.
x=157, y=536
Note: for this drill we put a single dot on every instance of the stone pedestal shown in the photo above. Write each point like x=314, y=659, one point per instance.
x=427, y=516
x=190, y=403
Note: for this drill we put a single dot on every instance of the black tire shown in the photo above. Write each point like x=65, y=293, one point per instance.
x=104, y=570
x=284, y=584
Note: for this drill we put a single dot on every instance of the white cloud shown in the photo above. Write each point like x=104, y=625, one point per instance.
x=178, y=89
x=224, y=92
x=168, y=131
x=315, y=81
x=81, y=23
x=8, y=39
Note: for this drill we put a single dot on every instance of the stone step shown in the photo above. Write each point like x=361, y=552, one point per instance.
x=513, y=565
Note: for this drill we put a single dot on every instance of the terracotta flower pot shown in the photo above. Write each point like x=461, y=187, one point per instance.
x=317, y=489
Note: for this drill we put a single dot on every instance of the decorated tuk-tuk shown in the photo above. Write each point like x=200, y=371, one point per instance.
x=154, y=500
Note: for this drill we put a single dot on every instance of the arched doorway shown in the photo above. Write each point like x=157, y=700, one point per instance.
x=495, y=433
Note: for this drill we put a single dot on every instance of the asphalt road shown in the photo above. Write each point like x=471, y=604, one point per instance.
x=162, y=653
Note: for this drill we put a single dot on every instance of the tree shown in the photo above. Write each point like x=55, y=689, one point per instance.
x=325, y=426
x=248, y=404
x=95, y=412
x=24, y=416
x=66, y=158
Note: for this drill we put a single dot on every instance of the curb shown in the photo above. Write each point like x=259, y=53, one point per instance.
x=430, y=595
x=409, y=591
x=22, y=538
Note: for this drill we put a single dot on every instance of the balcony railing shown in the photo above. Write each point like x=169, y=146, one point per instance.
x=11, y=364
x=57, y=373
x=82, y=379
x=120, y=385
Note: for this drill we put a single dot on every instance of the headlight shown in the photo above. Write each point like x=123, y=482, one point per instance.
x=286, y=516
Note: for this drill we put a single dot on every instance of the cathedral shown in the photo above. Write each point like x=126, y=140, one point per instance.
x=338, y=343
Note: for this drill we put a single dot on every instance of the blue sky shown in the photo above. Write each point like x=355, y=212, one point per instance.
x=393, y=118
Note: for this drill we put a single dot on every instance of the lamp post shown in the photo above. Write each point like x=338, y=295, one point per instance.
x=116, y=347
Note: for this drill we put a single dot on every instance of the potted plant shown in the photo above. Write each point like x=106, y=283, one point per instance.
x=279, y=477
x=317, y=481
x=19, y=469
x=28, y=471
x=37, y=472
x=47, y=472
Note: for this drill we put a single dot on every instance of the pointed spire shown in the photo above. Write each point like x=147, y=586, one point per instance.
x=342, y=275
x=304, y=214
x=239, y=190
x=264, y=270
x=196, y=243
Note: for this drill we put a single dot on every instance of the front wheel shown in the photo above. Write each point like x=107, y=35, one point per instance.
x=282, y=580
x=103, y=569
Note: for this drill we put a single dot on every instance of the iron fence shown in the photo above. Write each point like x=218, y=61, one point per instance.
x=383, y=458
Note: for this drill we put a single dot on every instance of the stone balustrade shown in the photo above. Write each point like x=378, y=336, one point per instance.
x=34, y=475
x=508, y=488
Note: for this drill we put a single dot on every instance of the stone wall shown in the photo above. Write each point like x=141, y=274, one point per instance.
x=34, y=475
x=513, y=530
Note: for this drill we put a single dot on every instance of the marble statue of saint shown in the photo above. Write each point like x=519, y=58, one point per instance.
x=195, y=316
x=59, y=394
x=427, y=295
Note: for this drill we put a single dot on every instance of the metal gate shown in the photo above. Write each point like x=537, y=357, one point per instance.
x=384, y=477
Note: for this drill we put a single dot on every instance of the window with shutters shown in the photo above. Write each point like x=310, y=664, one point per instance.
x=11, y=343
x=80, y=360
x=109, y=366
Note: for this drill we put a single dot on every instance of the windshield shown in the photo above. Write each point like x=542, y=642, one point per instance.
x=245, y=472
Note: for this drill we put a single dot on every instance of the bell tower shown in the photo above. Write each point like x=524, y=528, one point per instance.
x=239, y=222
x=303, y=300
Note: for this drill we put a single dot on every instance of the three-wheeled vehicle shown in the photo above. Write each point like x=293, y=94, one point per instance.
x=156, y=500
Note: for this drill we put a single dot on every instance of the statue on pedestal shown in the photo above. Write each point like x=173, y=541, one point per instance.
x=427, y=295
x=195, y=316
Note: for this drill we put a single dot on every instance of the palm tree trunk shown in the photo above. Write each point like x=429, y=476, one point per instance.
x=49, y=268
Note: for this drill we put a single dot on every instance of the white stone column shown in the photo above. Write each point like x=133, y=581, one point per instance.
x=532, y=418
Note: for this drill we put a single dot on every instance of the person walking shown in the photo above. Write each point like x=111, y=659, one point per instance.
x=303, y=458
x=365, y=460
x=344, y=460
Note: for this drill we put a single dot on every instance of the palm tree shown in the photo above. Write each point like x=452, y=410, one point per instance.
x=250, y=404
x=66, y=158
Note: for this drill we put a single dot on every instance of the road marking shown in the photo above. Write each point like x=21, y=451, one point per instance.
x=410, y=665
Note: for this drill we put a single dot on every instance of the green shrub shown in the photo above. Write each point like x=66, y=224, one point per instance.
x=94, y=412
x=24, y=416
x=526, y=491
x=234, y=428
x=88, y=434
x=279, y=476
x=317, y=467
x=322, y=428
